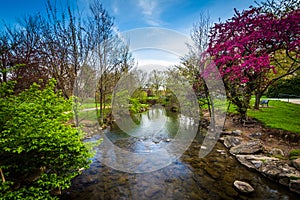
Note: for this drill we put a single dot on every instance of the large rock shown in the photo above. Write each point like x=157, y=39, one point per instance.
x=254, y=161
x=251, y=147
x=296, y=163
x=232, y=141
x=243, y=186
x=274, y=169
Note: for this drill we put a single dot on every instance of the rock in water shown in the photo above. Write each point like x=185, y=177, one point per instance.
x=251, y=147
x=243, y=186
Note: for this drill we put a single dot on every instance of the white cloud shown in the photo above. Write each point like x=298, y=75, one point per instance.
x=151, y=11
x=147, y=6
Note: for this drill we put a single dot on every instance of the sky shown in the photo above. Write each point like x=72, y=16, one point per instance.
x=175, y=15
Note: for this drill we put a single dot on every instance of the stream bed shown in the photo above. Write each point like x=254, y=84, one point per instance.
x=186, y=177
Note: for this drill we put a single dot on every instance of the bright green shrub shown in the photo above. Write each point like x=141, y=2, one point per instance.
x=40, y=152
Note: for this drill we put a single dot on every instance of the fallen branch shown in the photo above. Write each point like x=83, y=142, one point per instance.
x=2, y=175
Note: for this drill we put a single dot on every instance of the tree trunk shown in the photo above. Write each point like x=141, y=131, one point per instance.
x=243, y=115
x=101, y=106
x=257, y=100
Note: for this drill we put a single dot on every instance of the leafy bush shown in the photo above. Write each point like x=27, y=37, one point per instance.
x=40, y=151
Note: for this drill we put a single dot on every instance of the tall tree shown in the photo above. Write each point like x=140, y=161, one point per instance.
x=242, y=47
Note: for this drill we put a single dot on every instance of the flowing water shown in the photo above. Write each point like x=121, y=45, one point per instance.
x=187, y=177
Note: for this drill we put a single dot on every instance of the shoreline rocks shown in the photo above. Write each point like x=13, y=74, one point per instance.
x=251, y=153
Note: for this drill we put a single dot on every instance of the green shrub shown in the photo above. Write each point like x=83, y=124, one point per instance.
x=40, y=151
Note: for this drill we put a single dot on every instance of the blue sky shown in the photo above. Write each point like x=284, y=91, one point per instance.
x=177, y=15
x=174, y=14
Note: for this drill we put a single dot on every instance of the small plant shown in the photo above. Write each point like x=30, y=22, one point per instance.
x=294, y=154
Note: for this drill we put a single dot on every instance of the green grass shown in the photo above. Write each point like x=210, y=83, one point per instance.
x=88, y=105
x=88, y=115
x=279, y=115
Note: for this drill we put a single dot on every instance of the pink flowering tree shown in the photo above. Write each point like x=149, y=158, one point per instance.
x=243, y=48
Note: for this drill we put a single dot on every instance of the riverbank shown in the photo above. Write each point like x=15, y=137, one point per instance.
x=264, y=150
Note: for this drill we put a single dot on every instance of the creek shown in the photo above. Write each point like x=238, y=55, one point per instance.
x=185, y=177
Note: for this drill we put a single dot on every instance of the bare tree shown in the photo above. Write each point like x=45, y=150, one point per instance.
x=110, y=56
x=192, y=64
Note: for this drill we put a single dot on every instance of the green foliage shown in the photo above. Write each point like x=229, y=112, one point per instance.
x=136, y=106
x=290, y=87
x=140, y=95
x=40, y=151
x=294, y=154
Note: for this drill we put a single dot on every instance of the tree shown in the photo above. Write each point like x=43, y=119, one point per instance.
x=5, y=57
x=25, y=54
x=278, y=7
x=67, y=45
x=109, y=55
x=156, y=81
x=192, y=64
x=242, y=46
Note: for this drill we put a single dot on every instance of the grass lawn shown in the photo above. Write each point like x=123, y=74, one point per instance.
x=280, y=115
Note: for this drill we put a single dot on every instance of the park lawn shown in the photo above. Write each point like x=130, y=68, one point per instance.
x=279, y=115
